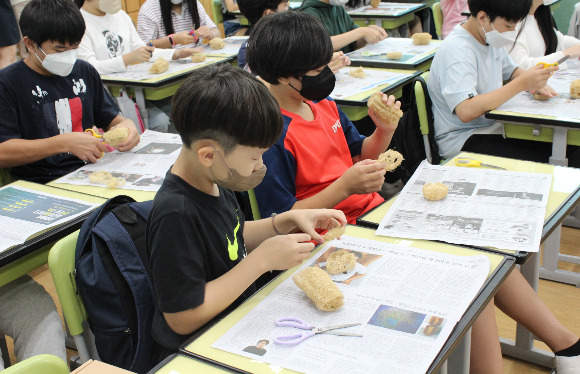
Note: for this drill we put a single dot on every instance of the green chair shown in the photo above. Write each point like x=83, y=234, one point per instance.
x=61, y=262
x=45, y=364
x=254, y=205
x=423, y=119
x=216, y=7
x=438, y=18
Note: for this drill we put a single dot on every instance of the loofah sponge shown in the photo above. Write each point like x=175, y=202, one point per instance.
x=388, y=114
x=340, y=262
x=320, y=288
x=394, y=55
x=197, y=57
x=357, y=72
x=421, y=38
x=217, y=43
x=115, y=136
x=159, y=66
x=435, y=191
x=106, y=178
x=392, y=158
x=575, y=89
x=334, y=233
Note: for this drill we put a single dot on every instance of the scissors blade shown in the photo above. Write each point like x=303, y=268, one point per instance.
x=493, y=166
x=562, y=59
x=342, y=333
x=321, y=330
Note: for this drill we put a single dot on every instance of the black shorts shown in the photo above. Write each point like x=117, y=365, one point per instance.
x=9, y=32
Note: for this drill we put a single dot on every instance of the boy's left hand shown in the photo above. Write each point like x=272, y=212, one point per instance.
x=204, y=32
x=308, y=220
x=339, y=60
x=185, y=52
x=133, y=138
x=379, y=122
x=547, y=90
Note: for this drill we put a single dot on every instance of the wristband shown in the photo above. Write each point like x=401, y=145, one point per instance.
x=171, y=40
x=274, y=225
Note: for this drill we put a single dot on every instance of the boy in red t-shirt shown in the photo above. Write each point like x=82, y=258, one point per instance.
x=320, y=160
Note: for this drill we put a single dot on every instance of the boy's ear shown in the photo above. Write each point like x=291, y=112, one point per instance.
x=206, y=155
x=29, y=43
x=283, y=80
x=481, y=17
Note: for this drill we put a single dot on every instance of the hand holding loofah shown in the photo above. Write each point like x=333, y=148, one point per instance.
x=334, y=233
x=541, y=97
x=115, y=136
x=388, y=114
x=320, y=288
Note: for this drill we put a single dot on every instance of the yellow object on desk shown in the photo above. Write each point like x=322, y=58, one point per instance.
x=470, y=162
x=547, y=65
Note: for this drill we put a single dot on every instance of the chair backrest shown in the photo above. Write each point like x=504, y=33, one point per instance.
x=423, y=115
x=216, y=7
x=254, y=204
x=437, y=18
x=45, y=364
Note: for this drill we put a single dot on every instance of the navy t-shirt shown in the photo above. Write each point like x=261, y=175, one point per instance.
x=36, y=106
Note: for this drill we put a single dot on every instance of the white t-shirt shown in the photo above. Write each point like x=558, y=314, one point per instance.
x=461, y=69
x=530, y=48
x=107, y=38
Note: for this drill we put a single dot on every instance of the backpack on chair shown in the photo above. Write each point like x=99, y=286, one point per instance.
x=112, y=278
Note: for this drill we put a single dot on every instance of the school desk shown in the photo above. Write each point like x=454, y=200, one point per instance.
x=105, y=192
x=355, y=106
x=389, y=15
x=501, y=266
x=421, y=61
x=156, y=88
x=182, y=364
x=23, y=258
x=564, y=196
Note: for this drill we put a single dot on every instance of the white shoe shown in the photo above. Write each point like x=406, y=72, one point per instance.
x=567, y=365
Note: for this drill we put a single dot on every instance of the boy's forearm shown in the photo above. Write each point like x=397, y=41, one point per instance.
x=342, y=40
x=328, y=198
x=255, y=232
x=477, y=106
x=219, y=294
x=16, y=152
x=376, y=144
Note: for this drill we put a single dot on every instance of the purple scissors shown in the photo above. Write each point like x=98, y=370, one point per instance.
x=292, y=340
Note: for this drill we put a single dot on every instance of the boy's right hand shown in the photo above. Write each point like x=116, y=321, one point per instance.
x=141, y=54
x=364, y=177
x=373, y=34
x=84, y=146
x=282, y=252
x=183, y=38
x=536, y=77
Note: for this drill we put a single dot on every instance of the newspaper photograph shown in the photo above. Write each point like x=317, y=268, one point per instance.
x=483, y=207
x=407, y=301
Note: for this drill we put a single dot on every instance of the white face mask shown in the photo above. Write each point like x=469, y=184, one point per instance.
x=176, y=2
x=110, y=6
x=60, y=63
x=549, y=2
x=498, y=39
x=338, y=2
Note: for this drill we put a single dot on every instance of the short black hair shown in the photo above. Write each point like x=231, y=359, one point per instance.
x=53, y=20
x=511, y=10
x=228, y=105
x=254, y=9
x=287, y=44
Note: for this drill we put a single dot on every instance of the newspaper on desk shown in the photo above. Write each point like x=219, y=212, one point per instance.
x=143, y=168
x=562, y=106
x=386, y=9
x=232, y=46
x=141, y=72
x=347, y=85
x=25, y=212
x=484, y=207
x=378, y=51
x=408, y=301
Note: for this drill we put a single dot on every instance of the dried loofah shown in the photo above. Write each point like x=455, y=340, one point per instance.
x=197, y=57
x=106, y=178
x=389, y=114
x=320, y=288
x=334, y=233
x=421, y=38
x=575, y=89
x=435, y=191
x=357, y=72
x=159, y=66
x=340, y=262
x=115, y=136
x=394, y=55
x=391, y=158
x=217, y=43
x=375, y=3
x=541, y=97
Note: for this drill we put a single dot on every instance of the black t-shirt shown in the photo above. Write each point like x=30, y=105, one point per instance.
x=36, y=106
x=192, y=238
x=255, y=350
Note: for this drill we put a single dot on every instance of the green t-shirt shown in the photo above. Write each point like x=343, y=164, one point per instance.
x=334, y=18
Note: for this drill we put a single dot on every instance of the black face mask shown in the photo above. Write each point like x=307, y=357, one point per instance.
x=317, y=87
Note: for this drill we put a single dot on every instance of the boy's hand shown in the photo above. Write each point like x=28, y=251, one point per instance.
x=185, y=52
x=379, y=122
x=204, y=32
x=535, y=78
x=283, y=251
x=364, y=177
x=547, y=90
x=339, y=60
x=84, y=146
x=308, y=220
x=141, y=54
x=183, y=38
x=133, y=138
x=373, y=34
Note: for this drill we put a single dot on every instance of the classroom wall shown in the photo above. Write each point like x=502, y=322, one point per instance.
x=563, y=13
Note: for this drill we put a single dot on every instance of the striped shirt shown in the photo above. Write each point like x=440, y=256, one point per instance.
x=150, y=23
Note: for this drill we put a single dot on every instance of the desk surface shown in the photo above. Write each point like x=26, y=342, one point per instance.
x=564, y=195
x=104, y=192
x=163, y=79
x=386, y=10
x=504, y=116
x=500, y=267
x=181, y=364
x=375, y=55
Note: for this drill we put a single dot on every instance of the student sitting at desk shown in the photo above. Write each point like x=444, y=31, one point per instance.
x=232, y=25
x=49, y=99
x=310, y=166
x=345, y=35
x=451, y=10
x=168, y=23
x=111, y=44
x=196, y=232
x=538, y=40
x=466, y=81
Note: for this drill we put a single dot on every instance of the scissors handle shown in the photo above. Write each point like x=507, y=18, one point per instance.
x=293, y=322
x=292, y=340
x=466, y=162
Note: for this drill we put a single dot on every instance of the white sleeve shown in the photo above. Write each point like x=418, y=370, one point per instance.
x=87, y=53
x=163, y=52
x=565, y=41
x=521, y=56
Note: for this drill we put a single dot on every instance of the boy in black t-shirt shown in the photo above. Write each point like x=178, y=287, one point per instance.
x=49, y=99
x=196, y=235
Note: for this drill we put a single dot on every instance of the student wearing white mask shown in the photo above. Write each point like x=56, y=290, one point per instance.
x=167, y=23
x=539, y=41
x=111, y=44
x=466, y=80
x=345, y=35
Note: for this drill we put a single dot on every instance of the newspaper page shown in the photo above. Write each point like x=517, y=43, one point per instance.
x=386, y=9
x=407, y=300
x=562, y=106
x=25, y=212
x=378, y=52
x=143, y=168
x=141, y=72
x=347, y=85
x=232, y=47
x=483, y=207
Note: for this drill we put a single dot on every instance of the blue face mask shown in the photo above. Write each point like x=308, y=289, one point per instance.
x=317, y=87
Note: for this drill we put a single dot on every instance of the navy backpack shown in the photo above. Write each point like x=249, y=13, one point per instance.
x=112, y=278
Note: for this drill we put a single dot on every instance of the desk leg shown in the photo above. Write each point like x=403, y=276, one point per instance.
x=140, y=98
x=559, y=144
x=552, y=256
x=458, y=362
x=523, y=347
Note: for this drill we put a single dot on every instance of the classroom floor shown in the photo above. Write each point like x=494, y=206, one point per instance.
x=563, y=300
